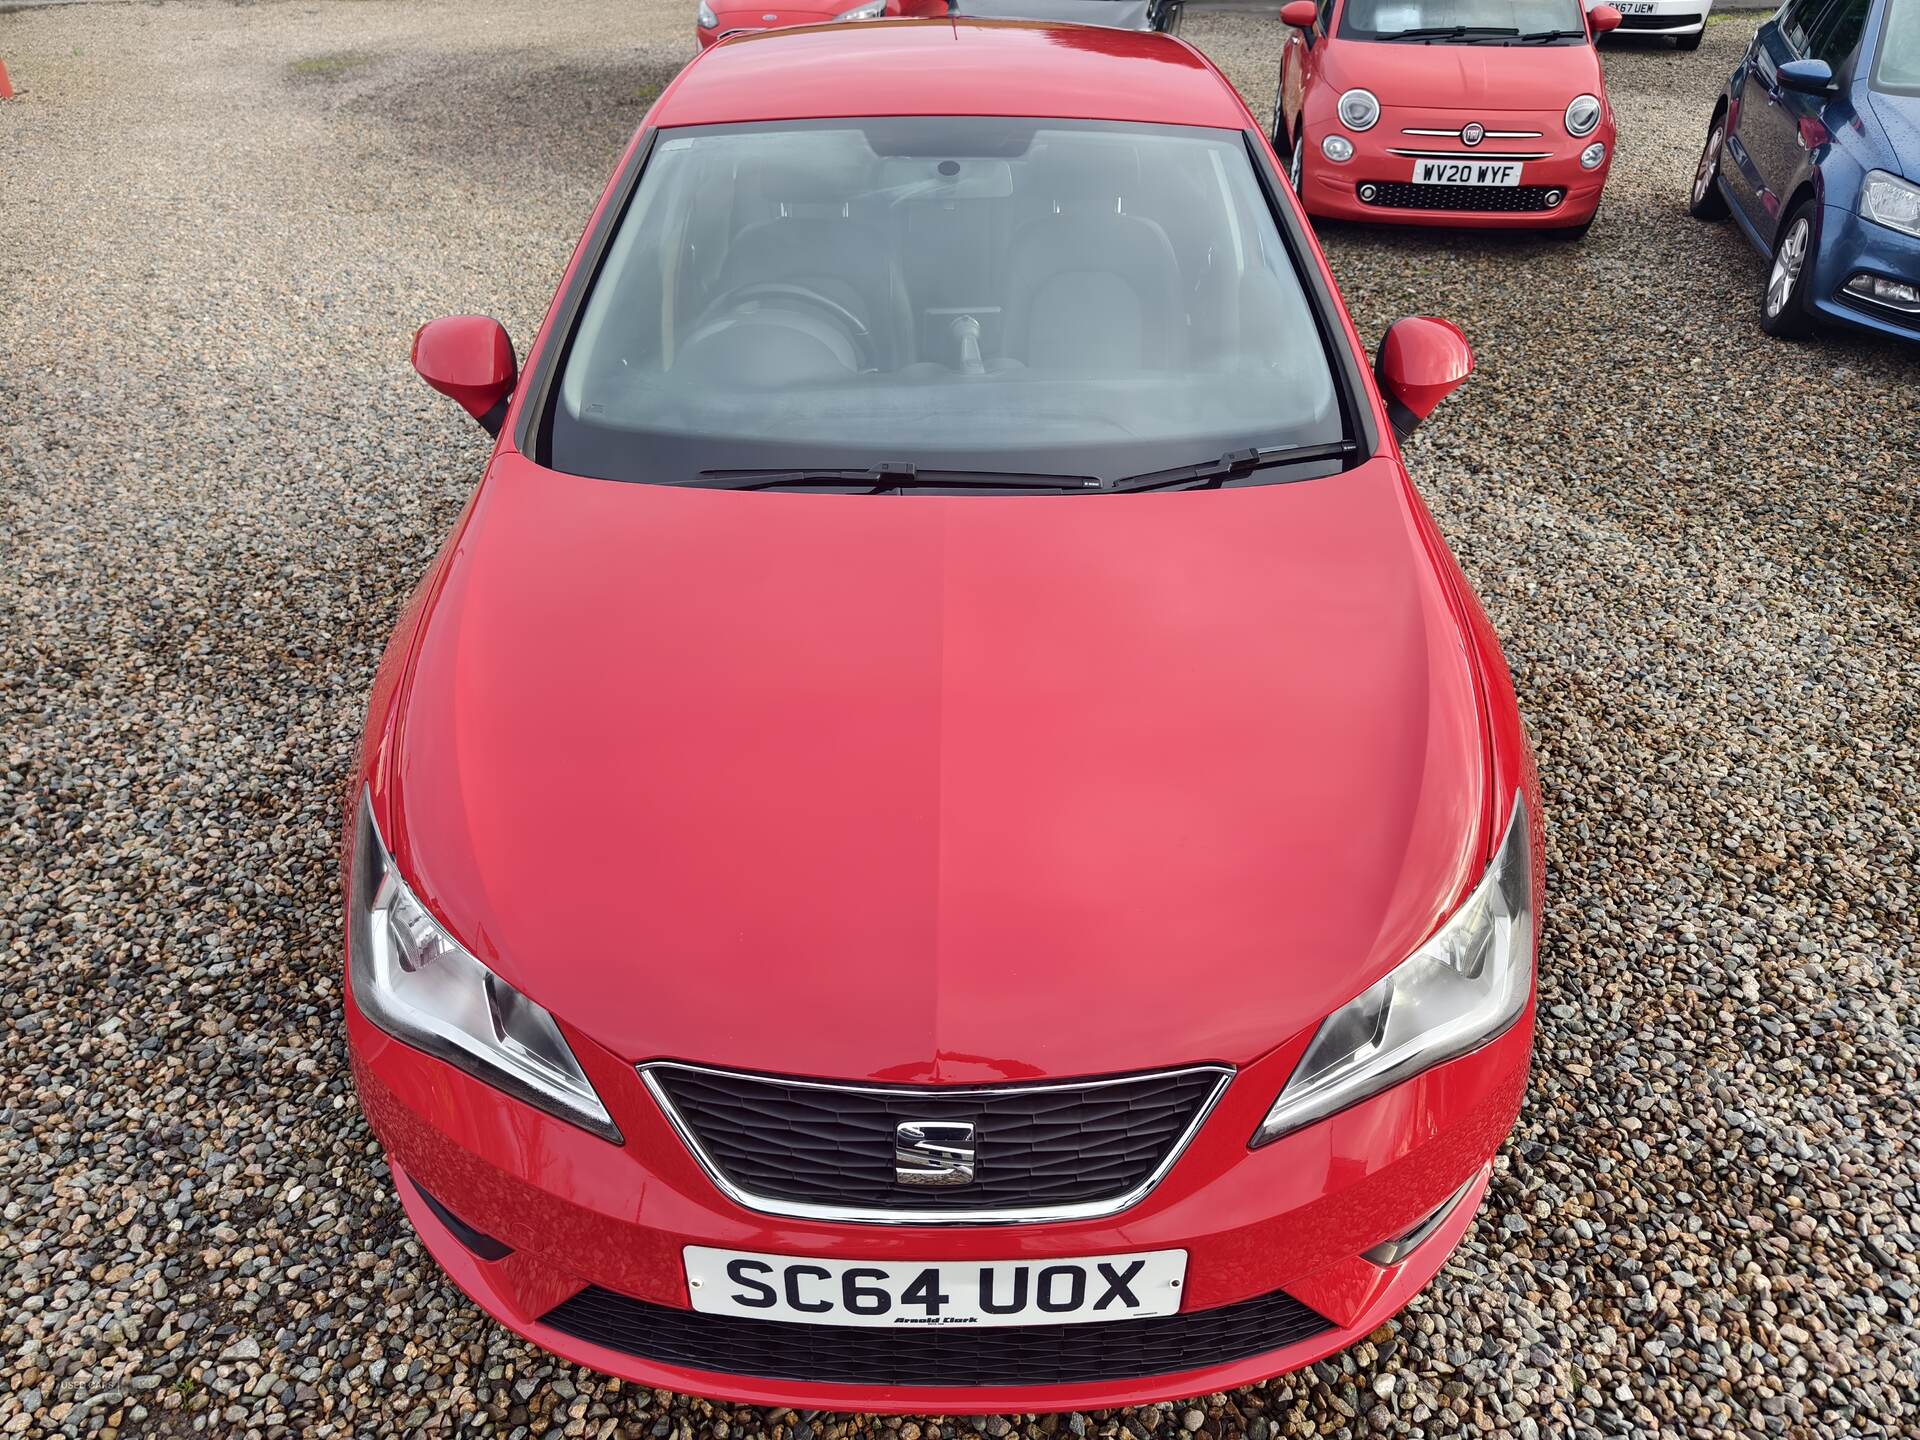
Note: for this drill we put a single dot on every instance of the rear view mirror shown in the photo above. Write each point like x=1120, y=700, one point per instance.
x=470, y=359
x=1421, y=361
x=1603, y=18
x=1300, y=14
x=1809, y=77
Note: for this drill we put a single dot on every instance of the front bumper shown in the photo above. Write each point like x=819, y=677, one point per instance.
x=587, y=1221
x=1851, y=246
x=1667, y=17
x=1339, y=191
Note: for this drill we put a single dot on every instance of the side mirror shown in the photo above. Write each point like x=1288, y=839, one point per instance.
x=1603, y=18
x=1300, y=14
x=470, y=359
x=1421, y=361
x=1809, y=77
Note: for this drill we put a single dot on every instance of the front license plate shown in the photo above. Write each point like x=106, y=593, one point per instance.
x=1466, y=172
x=942, y=1292
x=1633, y=7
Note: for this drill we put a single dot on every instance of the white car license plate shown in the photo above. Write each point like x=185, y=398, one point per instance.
x=936, y=1292
x=1633, y=7
x=1466, y=172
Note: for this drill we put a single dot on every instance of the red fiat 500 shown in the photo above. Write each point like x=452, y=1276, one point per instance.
x=1446, y=112
x=944, y=834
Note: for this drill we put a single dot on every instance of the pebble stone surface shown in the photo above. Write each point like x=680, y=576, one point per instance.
x=220, y=224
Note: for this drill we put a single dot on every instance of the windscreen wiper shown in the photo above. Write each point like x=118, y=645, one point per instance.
x=1235, y=464
x=1543, y=37
x=1448, y=32
x=891, y=477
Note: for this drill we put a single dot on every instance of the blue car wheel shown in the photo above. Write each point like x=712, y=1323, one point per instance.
x=1783, y=304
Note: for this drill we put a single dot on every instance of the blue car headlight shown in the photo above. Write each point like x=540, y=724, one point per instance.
x=1465, y=986
x=1890, y=201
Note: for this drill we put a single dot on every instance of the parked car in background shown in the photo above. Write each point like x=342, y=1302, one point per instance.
x=1108, y=14
x=1684, y=20
x=1489, y=113
x=945, y=835
x=734, y=18
x=712, y=24
x=1814, y=151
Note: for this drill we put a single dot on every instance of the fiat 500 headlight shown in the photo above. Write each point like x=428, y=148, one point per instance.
x=1583, y=114
x=1456, y=992
x=1359, y=110
x=705, y=16
x=419, y=984
x=1888, y=200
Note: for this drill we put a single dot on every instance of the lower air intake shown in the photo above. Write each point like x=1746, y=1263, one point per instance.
x=1011, y=1355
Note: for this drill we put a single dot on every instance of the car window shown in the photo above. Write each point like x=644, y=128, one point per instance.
x=1326, y=15
x=982, y=294
x=1897, y=66
x=1796, y=20
x=1837, y=32
x=1395, y=19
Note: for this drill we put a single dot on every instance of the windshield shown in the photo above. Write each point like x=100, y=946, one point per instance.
x=1461, y=22
x=968, y=294
x=1897, y=69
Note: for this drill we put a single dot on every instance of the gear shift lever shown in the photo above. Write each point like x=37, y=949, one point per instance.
x=966, y=333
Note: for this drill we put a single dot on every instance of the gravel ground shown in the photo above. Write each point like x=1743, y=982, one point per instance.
x=218, y=478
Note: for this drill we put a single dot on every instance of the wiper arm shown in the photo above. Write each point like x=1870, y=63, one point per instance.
x=1448, y=32
x=1541, y=37
x=1211, y=474
x=889, y=477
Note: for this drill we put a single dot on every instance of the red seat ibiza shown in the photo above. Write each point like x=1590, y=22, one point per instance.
x=944, y=834
x=1488, y=113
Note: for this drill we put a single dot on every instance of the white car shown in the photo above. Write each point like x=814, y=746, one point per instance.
x=1684, y=20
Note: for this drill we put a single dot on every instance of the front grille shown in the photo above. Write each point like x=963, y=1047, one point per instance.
x=1402, y=195
x=1037, y=1147
x=913, y=1355
x=1657, y=22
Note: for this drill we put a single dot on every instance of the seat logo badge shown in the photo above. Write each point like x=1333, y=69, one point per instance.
x=933, y=1152
x=1472, y=133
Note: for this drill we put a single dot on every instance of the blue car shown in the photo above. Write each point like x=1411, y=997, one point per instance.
x=1814, y=150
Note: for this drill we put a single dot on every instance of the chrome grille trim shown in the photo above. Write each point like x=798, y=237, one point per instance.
x=1033, y=1215
x=1473, y=154
x=1490, y=134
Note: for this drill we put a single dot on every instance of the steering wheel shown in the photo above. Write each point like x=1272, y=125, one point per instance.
x=781, y=290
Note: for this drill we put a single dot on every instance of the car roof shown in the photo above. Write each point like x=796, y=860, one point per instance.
x=950, y=67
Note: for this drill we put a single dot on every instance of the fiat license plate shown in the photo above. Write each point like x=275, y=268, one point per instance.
x=1466, y=172
x=935, y=1292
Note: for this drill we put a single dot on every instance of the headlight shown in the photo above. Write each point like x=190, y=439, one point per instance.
x=1359, y=110
x=872, y=10
x=1582, y=115
x=706, y=17
x=1888, y=200
x=1337, y=148
x=1456, y=992
x=417, y=983
x=1591, y=157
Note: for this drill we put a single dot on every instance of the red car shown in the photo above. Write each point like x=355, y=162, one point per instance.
x=944, y=834
x=734, y=18
x=1489, y=113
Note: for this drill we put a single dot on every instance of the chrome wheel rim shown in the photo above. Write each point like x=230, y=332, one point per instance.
x=1787, y=262
x=1709, y=165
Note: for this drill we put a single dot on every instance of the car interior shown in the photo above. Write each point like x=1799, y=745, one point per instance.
x=1058, y=282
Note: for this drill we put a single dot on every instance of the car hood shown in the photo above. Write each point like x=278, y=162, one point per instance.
x=938, y=788
x=1112, y=14
x=1899, y=117
x=1472, y=77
